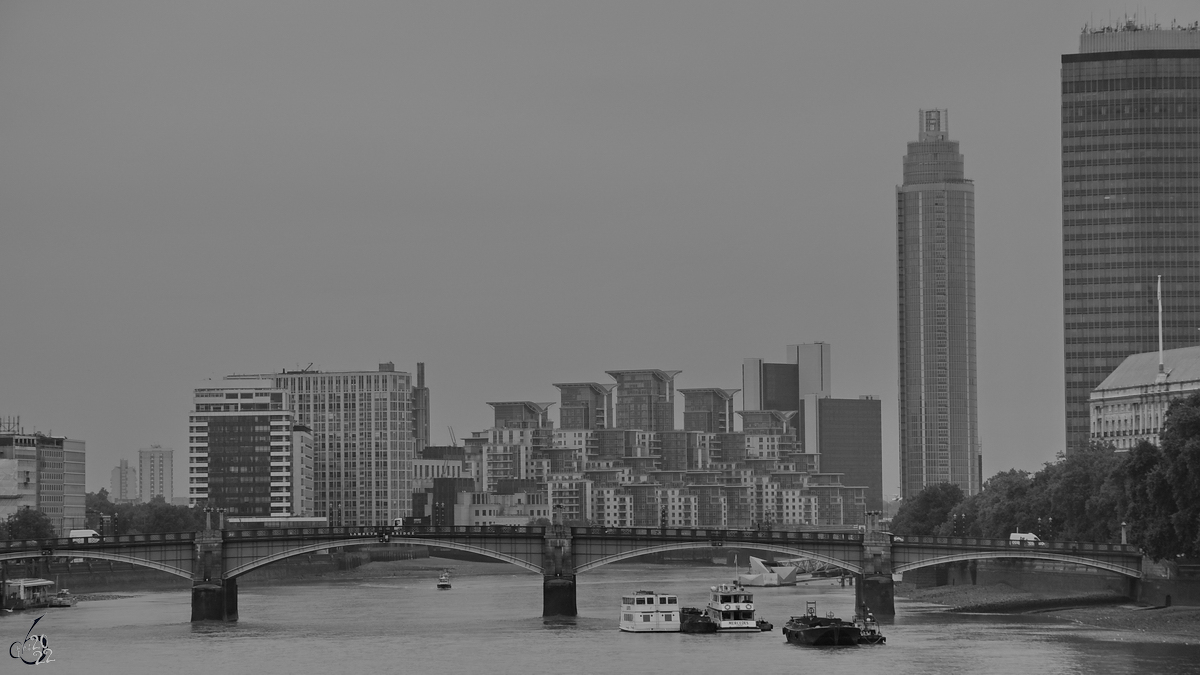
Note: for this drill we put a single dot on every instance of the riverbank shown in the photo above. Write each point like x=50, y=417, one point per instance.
x=1100, y=610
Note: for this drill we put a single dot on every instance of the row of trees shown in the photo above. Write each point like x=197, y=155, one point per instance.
x=1084, y=496
x=144, y=518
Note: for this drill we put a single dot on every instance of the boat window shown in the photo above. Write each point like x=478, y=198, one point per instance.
x=668, y=616
x=627, y=601
x=672, y=600
x=662, y=600
x=628, y=617
x=726, y=598
x=645, y=617
x=641, y=601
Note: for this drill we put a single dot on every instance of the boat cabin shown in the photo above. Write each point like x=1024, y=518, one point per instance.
x=650, y=612
x=27, y=593
x=732, y=606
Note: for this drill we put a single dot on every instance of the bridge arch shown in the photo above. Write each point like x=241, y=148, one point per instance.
x=757, y=545
x=374, y=540
x=1029, y=554
x=102, y=555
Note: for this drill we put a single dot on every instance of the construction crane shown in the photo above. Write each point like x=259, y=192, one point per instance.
x=453, y=440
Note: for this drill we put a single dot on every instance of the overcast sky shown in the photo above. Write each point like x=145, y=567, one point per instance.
x=513, y=193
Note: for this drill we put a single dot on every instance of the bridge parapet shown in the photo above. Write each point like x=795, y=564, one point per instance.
x=1059, y=546
x=742, y=537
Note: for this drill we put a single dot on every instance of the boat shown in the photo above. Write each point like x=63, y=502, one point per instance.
x=694, y=620
x=868, y=628
x=443, y=582
x=764, y=625
x=27, y=593
x=811, y=629
x=63, y=599
x=650, y=612
x=731, y=607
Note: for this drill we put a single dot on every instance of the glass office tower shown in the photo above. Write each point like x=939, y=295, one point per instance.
x=935, y=237
x=1131, y=202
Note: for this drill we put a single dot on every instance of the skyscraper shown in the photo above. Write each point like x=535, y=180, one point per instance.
x=645, y=399
x=782, y=386
x=1131, y=202
x=935, y=238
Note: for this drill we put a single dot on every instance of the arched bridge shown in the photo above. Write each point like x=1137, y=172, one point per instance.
x=214, y=559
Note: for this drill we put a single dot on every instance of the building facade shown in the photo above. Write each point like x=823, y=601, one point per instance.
x=1130, y=405
x=935, y=237
x=1131, y=202
x=156, y=473
x=246, y=453
x=585, y=405
x=362, y=428
x=708, y=410
x=782, y=386
x=123, y=485
x=42, y=472
x=645, y=399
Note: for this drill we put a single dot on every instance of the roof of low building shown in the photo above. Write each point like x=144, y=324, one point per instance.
x=1180, y=365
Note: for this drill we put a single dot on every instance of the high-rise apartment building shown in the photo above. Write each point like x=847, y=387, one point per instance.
x=362, y=428
x=645, y=399
x=1131, y=202
x=519, y=443
x=708, y=410
x=585, y=405
x=123, y=486
x=156, y=473
x=782, y=386
x=935, y=238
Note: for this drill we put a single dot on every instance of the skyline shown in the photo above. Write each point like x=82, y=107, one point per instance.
x=515, y=196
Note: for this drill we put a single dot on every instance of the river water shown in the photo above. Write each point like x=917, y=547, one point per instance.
x=491, y=623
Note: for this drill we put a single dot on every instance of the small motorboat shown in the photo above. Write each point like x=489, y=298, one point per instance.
x=868, y=628
x=443, y=582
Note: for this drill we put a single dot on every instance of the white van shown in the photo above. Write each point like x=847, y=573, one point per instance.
x=1020, y=538
x=84, y=536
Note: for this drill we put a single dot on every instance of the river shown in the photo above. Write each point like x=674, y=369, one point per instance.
x=491, y=623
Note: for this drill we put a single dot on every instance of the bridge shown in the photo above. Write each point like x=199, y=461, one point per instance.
x=213, y=559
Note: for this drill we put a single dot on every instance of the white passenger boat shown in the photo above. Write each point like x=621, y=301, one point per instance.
x=731, y=607
x=650, y=612
x=443, y=583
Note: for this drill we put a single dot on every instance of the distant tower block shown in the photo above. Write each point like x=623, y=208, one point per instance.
x=585, y=405
x=645, y=399
x=708, y=410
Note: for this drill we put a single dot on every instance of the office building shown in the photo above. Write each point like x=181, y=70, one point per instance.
x=246, y=453
x=42, y=472
x=123, y=484
x=935, y=238
x=1131, y=202
x=156, y=473
x=782, y=386
x=362, y=429
x=1130, y=405
x=645, y=399
x=847, y=435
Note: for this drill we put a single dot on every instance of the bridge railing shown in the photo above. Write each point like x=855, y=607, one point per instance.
x=390, y=530
x=718, y=535
x=83, y=543
x=1057, y=546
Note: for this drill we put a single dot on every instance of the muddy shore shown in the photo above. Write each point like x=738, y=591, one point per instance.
x=1100, y=610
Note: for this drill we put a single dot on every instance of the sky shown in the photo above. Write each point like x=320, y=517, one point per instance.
x=513, y=193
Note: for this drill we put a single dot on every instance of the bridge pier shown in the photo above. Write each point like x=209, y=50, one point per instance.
x=214, y=600
x=558, y=571
x=558, y=596
x=877, y=592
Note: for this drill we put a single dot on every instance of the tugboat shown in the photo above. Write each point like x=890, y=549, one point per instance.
x=868, y=628
x=443, y=583
x=650, y=612
x=694, y=620
x=731, y=607
x=63, y=599
x=811, y=629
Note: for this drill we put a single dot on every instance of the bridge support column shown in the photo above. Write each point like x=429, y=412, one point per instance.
x=558, y=596
x=558, y=571
x=877, y=592
x=214, y=601
x=214, y=598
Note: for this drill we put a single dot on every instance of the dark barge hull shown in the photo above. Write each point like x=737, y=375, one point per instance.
x=835, y=635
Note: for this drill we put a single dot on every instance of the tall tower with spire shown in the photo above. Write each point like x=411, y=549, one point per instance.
x=935, y=238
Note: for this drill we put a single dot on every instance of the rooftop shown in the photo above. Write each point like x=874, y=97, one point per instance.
x=1137, y=370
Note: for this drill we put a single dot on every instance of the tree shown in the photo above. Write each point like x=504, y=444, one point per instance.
x=30, y=524
x=931, y=508
x=1162, y=485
